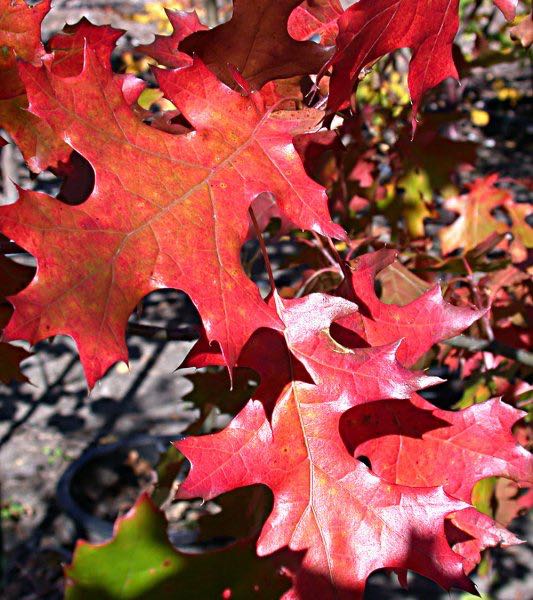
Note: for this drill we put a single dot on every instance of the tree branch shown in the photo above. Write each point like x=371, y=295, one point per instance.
x=494, y=347
x=190, y=333
x=187, y=333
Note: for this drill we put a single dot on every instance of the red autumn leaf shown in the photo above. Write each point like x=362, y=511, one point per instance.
x=363, y=173
x=476, y=221
x=165, y=47
x=20, y=28
x=180, y=224
x=370, y=29
x=14, y=277
x=413, y=443
x=302, y=458
x=256, y=42
x=311, y=354
x=10, y=359
x=419, y=324
x=508, y=8
x=481, y=532
x=40, y=146
x=274, y=373
x=68, y=46
x=316, y=18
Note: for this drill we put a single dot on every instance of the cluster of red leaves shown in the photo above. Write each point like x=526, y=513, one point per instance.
x=171, y=210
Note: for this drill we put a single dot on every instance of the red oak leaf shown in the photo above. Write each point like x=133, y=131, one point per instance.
x=10, y=359
x=274, y=373
x=476, y=222
x=68, y=46
x=256, y=42
x=36, y=140
x=481, y=532
x=419, y=324
x=413, y=443
x=370, y=29
x=316, y=18
x=508, y=8
x=180, y=224
x=20, y=28
x=40, y=146
x=165, y=47
x=302, y=458
x=314, y=353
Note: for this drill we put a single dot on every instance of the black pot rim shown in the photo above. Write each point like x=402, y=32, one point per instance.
x=99, y=529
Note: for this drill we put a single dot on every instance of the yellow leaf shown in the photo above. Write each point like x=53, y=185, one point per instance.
x=480, y=118
x=148, y=97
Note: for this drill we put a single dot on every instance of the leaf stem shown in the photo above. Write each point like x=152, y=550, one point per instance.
x=263, y=247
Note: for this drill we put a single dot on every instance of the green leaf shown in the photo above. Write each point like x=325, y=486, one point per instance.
x=139, y=562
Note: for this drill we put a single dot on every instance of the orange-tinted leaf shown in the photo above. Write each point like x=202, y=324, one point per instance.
x=179, y=224
x=68, y=46
x=20, y=28
x=316, y=18
x=476, y=221
x=41, y=147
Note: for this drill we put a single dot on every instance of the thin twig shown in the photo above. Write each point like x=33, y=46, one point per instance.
x=187, y=333
x=493, y=346
x=319, y=245
x=263, y=247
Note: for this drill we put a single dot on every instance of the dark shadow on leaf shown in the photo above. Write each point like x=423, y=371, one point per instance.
x=346, y=337
x=78, y=180
x=383, y=418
